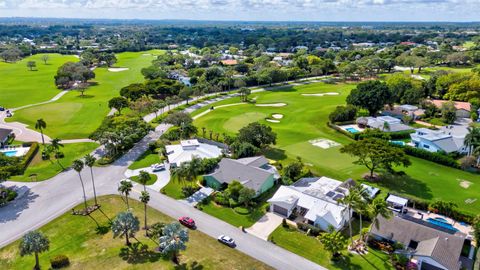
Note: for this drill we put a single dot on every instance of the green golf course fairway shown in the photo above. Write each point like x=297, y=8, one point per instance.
x=19, y=86
x=305, y=118
x=74, y=116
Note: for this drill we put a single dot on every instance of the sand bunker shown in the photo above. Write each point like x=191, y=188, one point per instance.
x=277, y=116
x=321, y=94
x=272, y=121
x=323, y=143
x=271, y=105
x=117, y=69
x=465, y=183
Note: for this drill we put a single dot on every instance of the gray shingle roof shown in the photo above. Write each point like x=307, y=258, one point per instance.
x=443, y=247
x=246, y=171
x=4, y=133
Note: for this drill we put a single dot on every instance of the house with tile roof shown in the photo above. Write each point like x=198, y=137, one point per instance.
x=430, y=246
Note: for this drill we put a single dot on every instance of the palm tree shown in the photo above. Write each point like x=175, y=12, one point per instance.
x=378, y=207
x=143, y=178
x=173, y=240
x=78, y=167
x=55, y=144
x=34, y=242
x=125, y=224
x=90, y=161
x=41, y=125
x=472, y=139
x=350, y=201
x=145, y=198
x=361, y=206
x=333, y=242
x=125, y=188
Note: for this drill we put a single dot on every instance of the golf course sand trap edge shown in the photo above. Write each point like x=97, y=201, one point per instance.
x=117, y=69
x=321, y=94
x=323, y=143
x=271, y=105
x=272, y=120
x=277, y=116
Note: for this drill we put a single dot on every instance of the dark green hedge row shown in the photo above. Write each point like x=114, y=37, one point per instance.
x=454, y=214
x=29, y=155
x=430, y=156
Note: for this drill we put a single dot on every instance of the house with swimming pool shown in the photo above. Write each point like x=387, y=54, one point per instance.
x=432, y=244
x=5, y=135
x=253, y=172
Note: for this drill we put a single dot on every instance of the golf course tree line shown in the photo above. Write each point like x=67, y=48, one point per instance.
x=96, y=58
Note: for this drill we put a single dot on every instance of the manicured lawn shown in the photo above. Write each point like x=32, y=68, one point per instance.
x=45, y=169
x=73, y=116
x=88, y=247
x=229, y=215
x=310, y=248
x=145, y=160
x=305, y=118
x=20, y=86
x=173, y=189
x=153, y=179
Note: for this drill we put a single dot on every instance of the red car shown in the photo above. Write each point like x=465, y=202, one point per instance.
x=187, y=222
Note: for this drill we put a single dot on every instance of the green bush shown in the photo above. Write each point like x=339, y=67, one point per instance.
x=241, y=210
x=7, y=195
x=430, y=156
x=221, y=199
x=30, y=154
x=312, y=230
x=59, y=261
x=343, y=113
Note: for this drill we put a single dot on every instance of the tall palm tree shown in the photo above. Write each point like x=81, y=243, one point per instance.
x=125, y=188
x=56, y=145
x=125, y=224
x=472, y=139
x=350, y=201
x=145, y=198
x=361, y=206
x=143, y=178
x=78, y=167
x=41, y=125
x=90, y=161
x=378, y=207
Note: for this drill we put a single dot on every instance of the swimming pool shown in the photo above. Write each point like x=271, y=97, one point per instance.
x=398, y=143
x=441, y=222
x=11, y=153
x=352, y=130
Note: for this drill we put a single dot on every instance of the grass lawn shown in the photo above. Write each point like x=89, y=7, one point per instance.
x=73, y=116
x=90, y=248
x=305, y=118
x=153, y=179
x=173, y=189
x=45, y=169
x=20, y=86
x=310, y=248
x=145, y=160
x=229, y=215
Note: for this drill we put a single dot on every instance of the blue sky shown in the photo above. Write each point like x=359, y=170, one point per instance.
x=259, y=10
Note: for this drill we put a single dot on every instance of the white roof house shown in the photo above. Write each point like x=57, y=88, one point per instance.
x=444, y=140
x=186, y=150
x=396, y=203
x=315, y=199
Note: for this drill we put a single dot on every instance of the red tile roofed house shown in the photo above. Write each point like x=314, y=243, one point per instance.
x=463, y=108
x=229, y=62
x=408, y=43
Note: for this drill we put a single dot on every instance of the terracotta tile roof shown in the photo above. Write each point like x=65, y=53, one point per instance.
x=229, y=62
x=458, y=104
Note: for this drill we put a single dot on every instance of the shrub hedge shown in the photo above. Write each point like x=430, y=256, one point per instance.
x=309, y=228
x=430, y=156
x=59, y=261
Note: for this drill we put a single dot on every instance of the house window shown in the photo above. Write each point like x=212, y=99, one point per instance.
x=426, y=146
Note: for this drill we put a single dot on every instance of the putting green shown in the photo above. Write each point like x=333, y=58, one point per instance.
x=74, y=116
x=305, y=119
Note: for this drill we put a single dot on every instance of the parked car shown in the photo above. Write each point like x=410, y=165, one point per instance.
x=227, y=240
x=2, y=109
x=187, y=222
x=157, y=167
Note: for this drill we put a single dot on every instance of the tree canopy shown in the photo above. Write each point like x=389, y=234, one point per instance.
x=370, y=95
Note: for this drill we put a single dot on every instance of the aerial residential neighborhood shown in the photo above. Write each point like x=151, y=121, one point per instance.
x=240, y=135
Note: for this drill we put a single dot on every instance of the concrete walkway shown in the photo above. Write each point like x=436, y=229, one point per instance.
x=163, y=177
x=220, y=106
x=55, y=98
x=265, y=225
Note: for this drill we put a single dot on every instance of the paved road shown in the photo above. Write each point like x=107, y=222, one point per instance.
x=44, y=201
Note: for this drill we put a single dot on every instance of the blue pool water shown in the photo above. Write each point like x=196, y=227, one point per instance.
x=441, y=222
x=10, y=153
x=398, y=143
x=352, y=130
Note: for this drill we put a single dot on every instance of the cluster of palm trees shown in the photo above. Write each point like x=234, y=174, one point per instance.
x=358, y=200
x=126, y=187
x=54, y=146
x=188, y=172
x=78, y=166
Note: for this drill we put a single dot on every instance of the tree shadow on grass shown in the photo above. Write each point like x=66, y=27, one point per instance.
x=345, y=262
x=403, y=183
x=138, y=253
x=282, y=88
x=85, y=96
x=192, y=266
x=275, y=154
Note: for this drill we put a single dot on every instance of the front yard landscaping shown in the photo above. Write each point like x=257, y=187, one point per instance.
x=145, y=160
x=153, y=179
x=310, y=248
x=90, y=247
